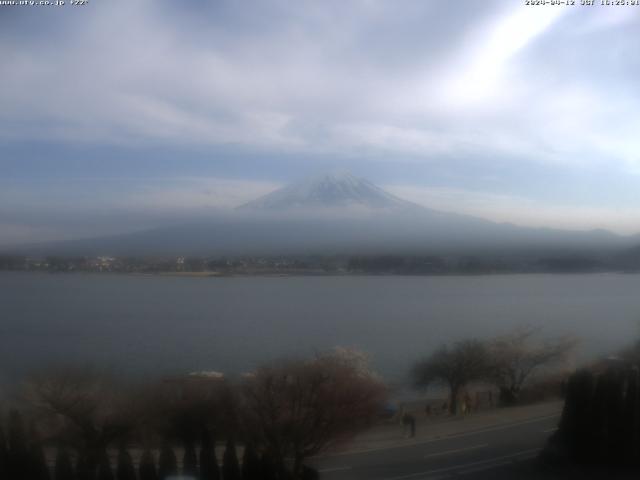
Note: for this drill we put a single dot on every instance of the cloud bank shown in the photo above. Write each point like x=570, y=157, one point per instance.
x=491, y=99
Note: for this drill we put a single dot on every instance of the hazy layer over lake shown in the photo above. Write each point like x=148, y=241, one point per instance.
x=158, y=324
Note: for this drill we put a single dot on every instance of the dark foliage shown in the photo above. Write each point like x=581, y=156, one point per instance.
x=167, y=463
x=18, y=458
x=12, y=262
x=63, y=469
x=147, y=468
x=38, y=468
x=86, y=465
x=4, y=453
x=209, y=469
x=309, y=473
x=125, y=469
x=230, y=464
x=104, y=467
x=190, y=460
x=251, y=466
x=600, y=422
x=268, y=467
x=397, y=265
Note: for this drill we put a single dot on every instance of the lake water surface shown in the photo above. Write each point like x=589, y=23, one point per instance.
x=177, y=324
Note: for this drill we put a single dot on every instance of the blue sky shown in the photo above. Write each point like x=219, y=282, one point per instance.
x=119, y=115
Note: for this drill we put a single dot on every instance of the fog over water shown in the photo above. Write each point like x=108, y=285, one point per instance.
x=154, y=324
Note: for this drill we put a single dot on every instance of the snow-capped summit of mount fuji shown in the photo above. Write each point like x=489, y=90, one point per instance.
x=332, y=190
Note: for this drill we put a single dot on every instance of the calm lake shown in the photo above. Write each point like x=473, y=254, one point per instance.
x=143, y=324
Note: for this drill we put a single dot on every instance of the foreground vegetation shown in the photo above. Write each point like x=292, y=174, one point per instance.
x=600, y=423
x=281, y=414
x=262, y=426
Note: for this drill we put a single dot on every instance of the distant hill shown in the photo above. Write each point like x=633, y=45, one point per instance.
x=339, y=213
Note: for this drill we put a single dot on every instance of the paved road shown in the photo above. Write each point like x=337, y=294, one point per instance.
x=500, y=451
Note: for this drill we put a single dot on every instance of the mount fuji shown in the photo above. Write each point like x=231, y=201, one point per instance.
x=336, y=190
x=338, y=213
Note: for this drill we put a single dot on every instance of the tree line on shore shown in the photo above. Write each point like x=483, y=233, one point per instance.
x=507, y=362
x=398, y=264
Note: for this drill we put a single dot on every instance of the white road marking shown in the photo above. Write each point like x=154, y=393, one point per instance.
x=549, y=430
x=445, y=437
x=334, y=469
x=482, y=468
x=457, y=450
x=458, y=468
x=493, y=429
x=524, y=455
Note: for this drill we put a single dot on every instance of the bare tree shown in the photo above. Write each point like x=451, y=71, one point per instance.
x=517, y=356
x=82, y=407
x=455, y=366
x=179, y=408
x=296, y=409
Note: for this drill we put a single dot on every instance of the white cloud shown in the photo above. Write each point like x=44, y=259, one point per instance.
x=131, y=74
x=424, y=82
x=479, y=75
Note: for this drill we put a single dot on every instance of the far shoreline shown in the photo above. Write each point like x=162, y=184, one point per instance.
x=210, y=274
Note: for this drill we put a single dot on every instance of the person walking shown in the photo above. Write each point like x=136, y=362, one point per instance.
x=467, y=403
x=409, y=424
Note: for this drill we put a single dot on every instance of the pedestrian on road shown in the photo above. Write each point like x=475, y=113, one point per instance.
x=409, y=423
x=466, y=403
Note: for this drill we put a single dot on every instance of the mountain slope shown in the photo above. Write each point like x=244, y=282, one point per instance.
x=333, y=190
x=338, y=214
